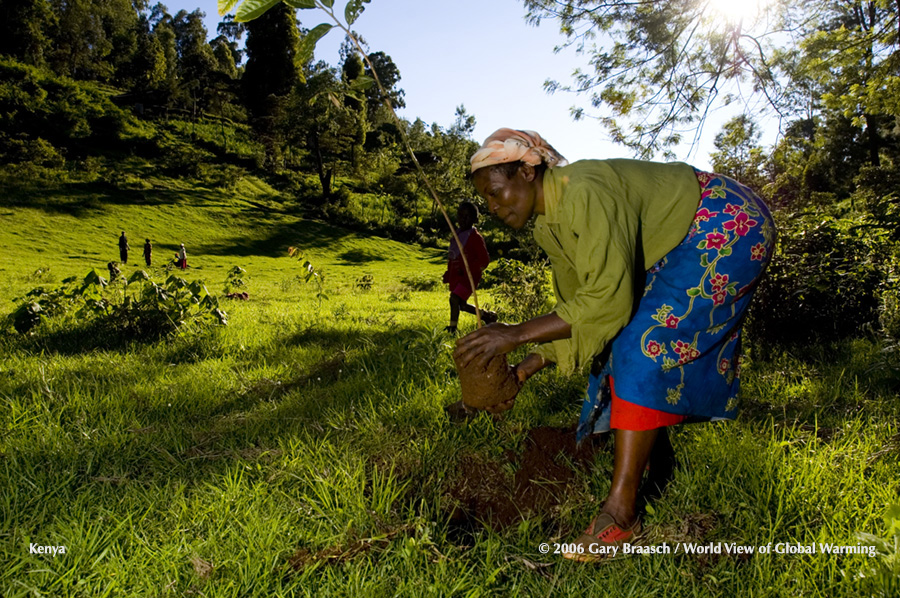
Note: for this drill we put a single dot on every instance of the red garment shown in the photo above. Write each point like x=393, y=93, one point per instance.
x=625, y=415
x=478, y=258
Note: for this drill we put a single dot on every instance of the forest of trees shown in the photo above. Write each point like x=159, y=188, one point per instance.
x=76, y=74
x=307, y=115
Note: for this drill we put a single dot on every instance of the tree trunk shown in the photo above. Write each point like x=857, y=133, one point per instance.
x=324, y=177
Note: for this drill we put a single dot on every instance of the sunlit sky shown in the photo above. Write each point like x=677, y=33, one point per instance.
x=482, y=54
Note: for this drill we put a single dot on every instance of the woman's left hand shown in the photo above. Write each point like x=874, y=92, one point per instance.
x=486, y=343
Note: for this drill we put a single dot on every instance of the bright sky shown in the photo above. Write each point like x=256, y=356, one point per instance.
x=482, y=54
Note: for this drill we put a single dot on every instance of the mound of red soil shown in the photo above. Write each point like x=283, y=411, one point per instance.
x=487, y=494
x=495, y=384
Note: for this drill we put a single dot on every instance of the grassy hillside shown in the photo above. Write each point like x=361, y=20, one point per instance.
x=304, y=450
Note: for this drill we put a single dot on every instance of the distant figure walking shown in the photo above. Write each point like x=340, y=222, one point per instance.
x=478, y=258
x=148, y=252
x=182, y=257
x=123, y=248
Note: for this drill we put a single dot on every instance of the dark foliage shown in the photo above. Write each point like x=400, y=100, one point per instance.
x=825, y=281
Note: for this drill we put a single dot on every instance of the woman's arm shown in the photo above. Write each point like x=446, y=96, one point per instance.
x=498, y=339
x=528, y=367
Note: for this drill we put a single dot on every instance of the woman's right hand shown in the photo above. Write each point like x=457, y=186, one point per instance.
x=484, y=344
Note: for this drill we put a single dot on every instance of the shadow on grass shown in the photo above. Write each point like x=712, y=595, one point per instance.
x=81, y=199
x=241, y=423
x=114, y=336
x=306, y=234
x=360, y=256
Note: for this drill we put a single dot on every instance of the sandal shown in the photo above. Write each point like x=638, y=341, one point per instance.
x=603, y=538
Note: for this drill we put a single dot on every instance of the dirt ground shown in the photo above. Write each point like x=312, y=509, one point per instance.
x=485, y=492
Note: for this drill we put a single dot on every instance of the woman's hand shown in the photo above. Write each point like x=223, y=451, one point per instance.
x=486, y=343
x=498, y=339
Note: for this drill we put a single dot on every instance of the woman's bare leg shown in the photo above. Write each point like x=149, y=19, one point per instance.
x=661, y=467
x=633, y=450
x=454, y=310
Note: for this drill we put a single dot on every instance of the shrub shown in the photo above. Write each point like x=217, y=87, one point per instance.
x=889, y=315
x=21, y=149
x=138, y=308
x=183, y=159
x=824, y=283
x=520, y=289
x=236, y=281
x=420, y=282
x=220, y=176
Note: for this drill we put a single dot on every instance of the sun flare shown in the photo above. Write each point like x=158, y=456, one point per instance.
x=737, y=11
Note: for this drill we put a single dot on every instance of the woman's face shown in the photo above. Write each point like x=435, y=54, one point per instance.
x=512, y=200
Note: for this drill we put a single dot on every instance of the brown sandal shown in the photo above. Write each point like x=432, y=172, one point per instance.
x=603, y=538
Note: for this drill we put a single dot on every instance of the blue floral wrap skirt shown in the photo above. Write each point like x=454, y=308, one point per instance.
x=680, y=353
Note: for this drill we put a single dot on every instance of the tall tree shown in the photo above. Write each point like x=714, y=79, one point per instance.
x=24, y=27
x=196, y=63
x=318, y=118
x=230, y=35
x=656, y=67
x=162, y=26
x=92, y=38
x=271, y=48
x=738, y=153
x=389, y=76
x=853, y=50
x=352, y=74
x=147, y=69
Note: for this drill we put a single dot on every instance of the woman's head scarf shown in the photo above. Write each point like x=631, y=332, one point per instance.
x=512, y=145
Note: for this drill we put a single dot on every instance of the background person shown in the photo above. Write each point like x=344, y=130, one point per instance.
x=654, y=266
x=123, y=248
x=478, y=258
x=182, y=257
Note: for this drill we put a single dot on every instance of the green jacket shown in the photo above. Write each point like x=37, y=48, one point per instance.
x=603, y=220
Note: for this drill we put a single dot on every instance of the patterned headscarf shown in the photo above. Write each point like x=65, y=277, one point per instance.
x=511, y=145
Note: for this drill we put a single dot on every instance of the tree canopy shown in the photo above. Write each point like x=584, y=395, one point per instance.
x=656, y=69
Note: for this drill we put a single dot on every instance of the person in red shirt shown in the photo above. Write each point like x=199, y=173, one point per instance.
x=478, y=258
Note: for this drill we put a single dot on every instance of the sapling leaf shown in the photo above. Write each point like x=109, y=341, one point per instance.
x=225, y=6
x=250, y=9
x=93, y=278
x=353, y=9
x=301, y=4
x=307, y=46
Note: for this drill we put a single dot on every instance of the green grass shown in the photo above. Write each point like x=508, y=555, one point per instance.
x=303, y=449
